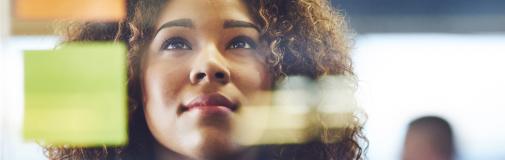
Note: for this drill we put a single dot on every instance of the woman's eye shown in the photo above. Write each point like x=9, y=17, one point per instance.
x=176, y=43
x=241, y=42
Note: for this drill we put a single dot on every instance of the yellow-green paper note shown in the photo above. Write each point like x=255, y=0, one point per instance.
x=76, y=95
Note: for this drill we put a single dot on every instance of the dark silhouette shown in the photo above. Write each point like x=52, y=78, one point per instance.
x=429, y=138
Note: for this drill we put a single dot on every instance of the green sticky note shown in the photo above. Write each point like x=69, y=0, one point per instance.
x=76, y=95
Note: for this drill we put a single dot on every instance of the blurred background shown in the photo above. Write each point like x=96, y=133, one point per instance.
x=413, y=58
x=431, y=57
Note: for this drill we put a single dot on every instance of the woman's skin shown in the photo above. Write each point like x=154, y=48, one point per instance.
x=203, y=64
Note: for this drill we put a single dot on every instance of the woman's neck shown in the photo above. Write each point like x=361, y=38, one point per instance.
x=162, y=153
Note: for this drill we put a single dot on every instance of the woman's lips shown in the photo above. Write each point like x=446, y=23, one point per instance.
x=211, y=102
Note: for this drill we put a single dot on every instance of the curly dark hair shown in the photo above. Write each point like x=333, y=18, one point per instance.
x=302, y=37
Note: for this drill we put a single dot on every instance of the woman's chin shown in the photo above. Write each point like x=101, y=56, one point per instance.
x=215, y=144
x=208, y=144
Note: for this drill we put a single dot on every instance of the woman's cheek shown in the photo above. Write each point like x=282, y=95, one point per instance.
x=251, y=77
x=166, y=80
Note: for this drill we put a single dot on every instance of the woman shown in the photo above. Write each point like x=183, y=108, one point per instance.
x=193, y=64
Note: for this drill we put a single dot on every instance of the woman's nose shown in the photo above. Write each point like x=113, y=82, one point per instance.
x=210, y=67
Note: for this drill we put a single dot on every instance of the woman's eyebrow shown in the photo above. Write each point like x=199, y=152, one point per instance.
x=177, y=23
x=237, y=23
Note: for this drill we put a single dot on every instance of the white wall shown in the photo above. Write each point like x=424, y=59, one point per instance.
x=459, y=77
x=4, y=16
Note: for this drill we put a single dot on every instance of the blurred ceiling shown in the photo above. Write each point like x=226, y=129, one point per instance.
x=449, y=16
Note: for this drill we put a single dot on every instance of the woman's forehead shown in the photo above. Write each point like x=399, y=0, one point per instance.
x=204, y=11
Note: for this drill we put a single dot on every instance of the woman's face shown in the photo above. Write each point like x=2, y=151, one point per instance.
x=201, y=67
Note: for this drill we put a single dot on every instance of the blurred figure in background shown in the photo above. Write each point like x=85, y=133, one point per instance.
x=429, y=138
